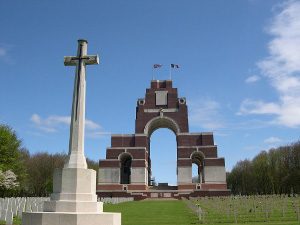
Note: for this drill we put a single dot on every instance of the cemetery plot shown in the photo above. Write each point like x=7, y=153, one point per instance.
x=254, y=210
x=11, y=208
x=247, y=209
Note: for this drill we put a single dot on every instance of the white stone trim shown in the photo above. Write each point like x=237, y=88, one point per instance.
x=162, y=121
x=109, y=159
x=161, y=98
x=141, y=101
x=123, y=135
x=141, y=135
x=202, y=133
x=158, y=110
x=182, y=100
x=104, y=183
x=204, y=158
x=127, y=148
x=198, y=146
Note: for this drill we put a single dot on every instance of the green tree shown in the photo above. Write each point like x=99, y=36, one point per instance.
x=241, y=180
x=274, y=172
x=10, y=159
x=40, y=167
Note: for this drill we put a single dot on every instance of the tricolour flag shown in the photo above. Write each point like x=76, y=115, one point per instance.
x=157, y=66
x=174, y=66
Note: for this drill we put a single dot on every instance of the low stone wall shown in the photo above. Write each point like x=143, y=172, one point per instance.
x=116, y=200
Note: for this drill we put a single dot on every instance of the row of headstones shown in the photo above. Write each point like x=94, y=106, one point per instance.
x=116, y=200
x=14, y=207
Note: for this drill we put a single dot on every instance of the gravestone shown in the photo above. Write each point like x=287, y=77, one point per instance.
x=14, y=207
x=74, y=199
x=9, y=218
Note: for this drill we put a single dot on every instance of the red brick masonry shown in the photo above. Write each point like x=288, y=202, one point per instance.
x=149, y=117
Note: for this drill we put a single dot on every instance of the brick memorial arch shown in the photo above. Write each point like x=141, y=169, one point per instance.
x=126, y=171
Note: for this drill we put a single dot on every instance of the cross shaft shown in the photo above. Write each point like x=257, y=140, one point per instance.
x=76, y=143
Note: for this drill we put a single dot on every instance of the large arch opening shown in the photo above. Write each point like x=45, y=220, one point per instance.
x=161, y=122
x=125, y=168
x=197, y=167
x=162, y=158
x=196, y=177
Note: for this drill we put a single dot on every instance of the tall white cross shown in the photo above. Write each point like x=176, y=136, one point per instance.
x=76, y=158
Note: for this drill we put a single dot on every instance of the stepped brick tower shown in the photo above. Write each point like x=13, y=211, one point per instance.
x=126, y=171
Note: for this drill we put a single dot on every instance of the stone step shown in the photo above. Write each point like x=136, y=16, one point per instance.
x=160, y=199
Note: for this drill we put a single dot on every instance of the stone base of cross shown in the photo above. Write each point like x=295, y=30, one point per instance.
x=73, y=202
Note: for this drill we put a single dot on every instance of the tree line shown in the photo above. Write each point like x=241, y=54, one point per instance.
x=25, y=174
x=276, y=171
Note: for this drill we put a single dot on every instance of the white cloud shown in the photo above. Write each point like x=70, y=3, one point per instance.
x=89, y=124
x=252, y=79
x=3, y=52
x=97, y=134
x=249, y=106
x=205, y=113
x=282, y=68
x=50, y=124
x=54, y=123
x=41, y=124
x=272, y=140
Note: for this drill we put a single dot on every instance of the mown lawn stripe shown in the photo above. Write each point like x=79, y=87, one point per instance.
x=153, y=213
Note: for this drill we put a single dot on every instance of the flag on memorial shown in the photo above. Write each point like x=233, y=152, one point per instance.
x=174, y=66
x=157, y=66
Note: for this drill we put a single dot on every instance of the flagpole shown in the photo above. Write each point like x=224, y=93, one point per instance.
x=170, y=72
x=152, y=73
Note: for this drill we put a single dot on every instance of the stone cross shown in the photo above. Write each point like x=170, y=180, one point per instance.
x=76, y=143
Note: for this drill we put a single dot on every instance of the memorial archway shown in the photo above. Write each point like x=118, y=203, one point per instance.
x=125, y=168
x=162, y=157
x=159, y=122
x=162, y=108
x=198, y=159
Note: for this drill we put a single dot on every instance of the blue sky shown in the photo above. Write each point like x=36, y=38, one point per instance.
x=239, y=70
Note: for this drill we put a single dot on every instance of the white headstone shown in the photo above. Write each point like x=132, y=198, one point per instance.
x=3, y=214
x=9, y=218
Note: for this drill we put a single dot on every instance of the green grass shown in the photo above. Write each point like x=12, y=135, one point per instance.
x=250, y=210
x=263, y=223
x=17, y=221
x=177, y=213
x=153, y=213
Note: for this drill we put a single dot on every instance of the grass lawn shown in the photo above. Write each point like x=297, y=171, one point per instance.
x=262, y=223
x=168, y=212
x=16, y=221
x=153, y=213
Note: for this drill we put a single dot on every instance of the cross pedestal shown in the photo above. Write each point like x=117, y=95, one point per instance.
x=74, y=199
